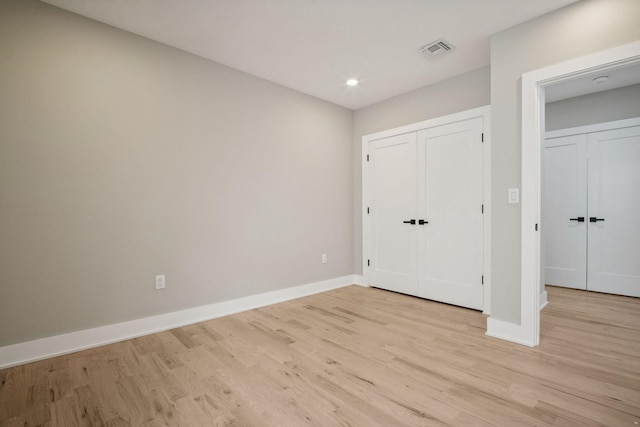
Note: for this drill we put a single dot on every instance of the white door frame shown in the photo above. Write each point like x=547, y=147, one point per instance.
x=533, y=84
x=485, y=113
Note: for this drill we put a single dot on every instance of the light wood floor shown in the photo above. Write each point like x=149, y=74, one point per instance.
x=349, y=357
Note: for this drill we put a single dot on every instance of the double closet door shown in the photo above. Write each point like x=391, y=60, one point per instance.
x=591, y=201
x=425, y=213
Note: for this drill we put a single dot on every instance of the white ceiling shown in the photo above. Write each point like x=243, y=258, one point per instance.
x=617, y=77
x=314, y=46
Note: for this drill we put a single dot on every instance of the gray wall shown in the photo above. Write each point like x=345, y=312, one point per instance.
x=122, y=158
x=469, y=90
x=579, y=29
x=601, y=107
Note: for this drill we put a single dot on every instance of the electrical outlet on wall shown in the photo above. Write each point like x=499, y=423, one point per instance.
x=324, y=258
x=160, y=282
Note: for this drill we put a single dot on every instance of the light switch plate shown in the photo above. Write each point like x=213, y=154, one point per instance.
x=514, y=195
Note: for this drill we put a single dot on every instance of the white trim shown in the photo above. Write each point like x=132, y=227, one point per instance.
x=358, y=279
x=506, y=331
x=365, y=217
x=543, y=300
x=487, y=211
x=533, y=84
x=426, y=124
x=485, y=114
x=598, y=127
x=31, y=351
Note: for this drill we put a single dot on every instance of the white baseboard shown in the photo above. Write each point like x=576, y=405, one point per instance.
x=507, y=331
x=358, y=279
x=31, y=351
x=543, y=300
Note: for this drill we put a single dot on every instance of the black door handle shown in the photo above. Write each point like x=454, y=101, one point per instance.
x=411, y=221
x=594, y=219
x=422, y=222
x=579, y=219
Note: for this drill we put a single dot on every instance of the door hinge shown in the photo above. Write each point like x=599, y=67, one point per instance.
x=536, y=227
x=368, y=263
x=482, y=280
x=482, y=209
x=367, y=210
x=482, y=136
x=367, y=157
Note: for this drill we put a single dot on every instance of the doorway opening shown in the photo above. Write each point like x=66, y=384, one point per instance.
x=534, y=86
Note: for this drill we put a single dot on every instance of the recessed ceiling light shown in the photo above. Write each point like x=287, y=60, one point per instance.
x=600, y=80
x=352, y=82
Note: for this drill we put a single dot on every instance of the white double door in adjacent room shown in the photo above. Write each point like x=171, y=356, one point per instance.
x=426, y=213
x=590, y=211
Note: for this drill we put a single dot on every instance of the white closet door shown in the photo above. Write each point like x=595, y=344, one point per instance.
x=393, y=201
x=564, y=211
x=450, y=249
x=614, y=197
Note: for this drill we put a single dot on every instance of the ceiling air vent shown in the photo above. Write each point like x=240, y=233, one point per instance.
x=437, y=48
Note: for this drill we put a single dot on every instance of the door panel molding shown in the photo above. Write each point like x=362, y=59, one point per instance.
x=614, y=199
x=451, y=244
x=564, y=181
x=393, y=202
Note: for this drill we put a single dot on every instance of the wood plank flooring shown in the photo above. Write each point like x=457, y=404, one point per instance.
x=349, y=357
